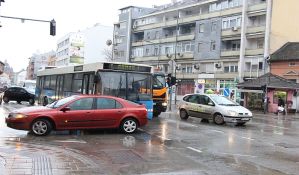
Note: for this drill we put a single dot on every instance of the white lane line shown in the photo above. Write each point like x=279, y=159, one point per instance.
x=164, y=138
x=248, y=138
x=217, y=131
x=277, y=127
x=241, y=155
x=70, y=141
x=196, y=150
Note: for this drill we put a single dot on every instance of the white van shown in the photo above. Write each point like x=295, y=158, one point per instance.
x=213, y=107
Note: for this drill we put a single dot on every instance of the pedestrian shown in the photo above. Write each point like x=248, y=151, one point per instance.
x=281, y=106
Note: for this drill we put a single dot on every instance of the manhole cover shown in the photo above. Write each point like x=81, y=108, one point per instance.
x=124, y=156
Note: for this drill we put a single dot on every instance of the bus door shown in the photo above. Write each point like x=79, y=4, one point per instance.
x=85, y=84
x=59, y=87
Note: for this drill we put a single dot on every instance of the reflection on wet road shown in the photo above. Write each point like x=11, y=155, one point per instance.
x=267, y=145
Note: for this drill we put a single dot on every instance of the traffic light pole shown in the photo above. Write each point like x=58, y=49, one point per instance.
x=52, y=22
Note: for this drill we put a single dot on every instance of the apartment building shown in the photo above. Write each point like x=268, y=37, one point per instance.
x=207, y=44
x=38, y=61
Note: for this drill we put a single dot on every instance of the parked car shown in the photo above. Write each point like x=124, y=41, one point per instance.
x=213, y=107
x=80, y=112
x=18, y=94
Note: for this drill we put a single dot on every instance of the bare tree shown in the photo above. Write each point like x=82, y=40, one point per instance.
x=107, y=52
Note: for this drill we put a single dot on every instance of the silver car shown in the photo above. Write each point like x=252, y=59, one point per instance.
x=213, y=107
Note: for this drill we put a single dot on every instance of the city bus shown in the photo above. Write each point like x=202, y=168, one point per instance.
x=129, y=81
x=30, y=85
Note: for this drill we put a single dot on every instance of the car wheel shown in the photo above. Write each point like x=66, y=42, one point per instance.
x=41, y=127
x=31, y=101
x=128, y=125
x=19, y=102
x=240, y=124
x=6, y=100
x=218, y=119
x=183, y=114
x=45, y=101
x=0, y=101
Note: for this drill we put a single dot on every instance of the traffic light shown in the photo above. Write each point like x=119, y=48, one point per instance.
x=53, y=27
x=170, y=80
x=264, y=87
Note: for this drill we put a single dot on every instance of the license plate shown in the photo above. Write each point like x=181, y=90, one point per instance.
x=245, y=119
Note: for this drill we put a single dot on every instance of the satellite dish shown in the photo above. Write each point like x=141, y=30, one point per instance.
x=108, y=42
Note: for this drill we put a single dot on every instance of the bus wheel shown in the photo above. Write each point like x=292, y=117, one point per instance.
x=156, y=114
x=31, y=101
x=45, y=101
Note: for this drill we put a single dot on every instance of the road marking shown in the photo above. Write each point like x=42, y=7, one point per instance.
x=164, y=138
x=196, y=150
x=277, y=127
x=70, y=141
x=241, y=155
x=217, y=131
x=248, y=138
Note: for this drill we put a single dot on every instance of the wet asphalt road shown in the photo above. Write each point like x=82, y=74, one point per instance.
x=267, y=145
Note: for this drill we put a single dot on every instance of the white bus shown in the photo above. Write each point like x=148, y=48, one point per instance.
x=30, y=85
x=125, y=80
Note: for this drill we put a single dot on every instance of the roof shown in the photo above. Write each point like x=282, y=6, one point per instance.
x=272, y=81
x=289, y=51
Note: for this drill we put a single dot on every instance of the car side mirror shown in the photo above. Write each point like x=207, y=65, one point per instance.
x=65, y=109
x=211, y=104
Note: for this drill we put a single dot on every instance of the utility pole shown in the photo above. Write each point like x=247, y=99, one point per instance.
x=175, y=53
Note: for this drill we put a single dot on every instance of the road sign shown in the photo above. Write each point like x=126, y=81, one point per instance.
x=226, y=92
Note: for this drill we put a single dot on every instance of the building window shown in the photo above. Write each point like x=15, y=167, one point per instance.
x=199, y=47
x=213, y=45
x=123, y=25
x=260, y=44
x=226, y=69
x=147, y=52
x=201, y=28
x=261, y=65
x=156, y=51
x=214, y=26
x=292, y=64
x=157, y=35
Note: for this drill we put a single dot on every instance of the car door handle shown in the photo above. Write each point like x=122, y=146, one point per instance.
x=88, y=112
x=119, y=111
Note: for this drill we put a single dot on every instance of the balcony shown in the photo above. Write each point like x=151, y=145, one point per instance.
x=162, y=57
x=181, y=75
x=233, y=33
x=253, y=73
x=257, y=9
x=169, y=39
x=229, y=53
x=224, y=75
x=253, y=52
x=256, y=32
x=191, y=18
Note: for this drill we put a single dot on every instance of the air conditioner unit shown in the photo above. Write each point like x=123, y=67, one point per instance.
x=180, y=54
x=234, y=28
x=218, y=65
x=196, y=66
x=134, y=26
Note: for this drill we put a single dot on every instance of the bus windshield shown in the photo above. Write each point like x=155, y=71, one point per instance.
x=131, y=86
x=158, y=82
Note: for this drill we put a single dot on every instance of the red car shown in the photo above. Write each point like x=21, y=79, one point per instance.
x=80, y=112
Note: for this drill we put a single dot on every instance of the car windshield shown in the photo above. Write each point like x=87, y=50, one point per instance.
x=62, y=102
x=220, y=100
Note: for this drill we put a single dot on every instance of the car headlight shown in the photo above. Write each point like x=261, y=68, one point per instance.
x=17, y=115
x=232, y=113
x=164, y=104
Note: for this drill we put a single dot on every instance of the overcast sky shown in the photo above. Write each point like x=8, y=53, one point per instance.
x=18, y=41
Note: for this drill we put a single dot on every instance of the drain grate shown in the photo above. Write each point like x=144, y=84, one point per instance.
x=124, y=156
